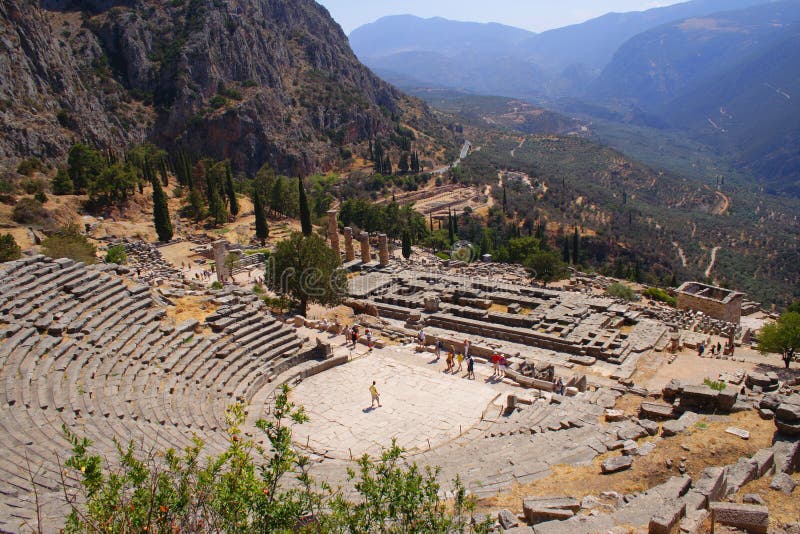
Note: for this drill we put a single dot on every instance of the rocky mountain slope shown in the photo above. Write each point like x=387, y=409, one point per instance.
x=729, y=78
x=255, y=81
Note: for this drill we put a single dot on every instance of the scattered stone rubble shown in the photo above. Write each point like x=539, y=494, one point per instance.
x=678, y=505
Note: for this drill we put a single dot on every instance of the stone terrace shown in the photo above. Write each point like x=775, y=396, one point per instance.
x=84, y=347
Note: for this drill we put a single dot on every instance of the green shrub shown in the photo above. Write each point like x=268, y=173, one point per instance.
x=116, y=254
x=9, y=249
x=29, y=211
x=660, y=295
x=621, y=291
x=217, y=101
x=68, y=242
x=216, y=285
x=250, y=488
x=29, y=166
x=715, y=385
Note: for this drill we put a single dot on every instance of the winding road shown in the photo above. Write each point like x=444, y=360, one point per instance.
x=463, y=154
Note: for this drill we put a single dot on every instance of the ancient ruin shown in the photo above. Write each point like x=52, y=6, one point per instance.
x=716, y=302
x=91, y=348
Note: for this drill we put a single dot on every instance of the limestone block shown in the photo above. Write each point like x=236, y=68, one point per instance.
x=507, y=519
x=657, y=411
x=666, y=520
x=615, y=464
x=764, y=459
x=783, y=482
x=740, y=474
x=750, y=517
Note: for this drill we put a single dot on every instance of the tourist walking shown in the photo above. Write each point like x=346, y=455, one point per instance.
x=439, y=347
x=470, y=368
x=421, y=337
x=460, y=359
x=466, y=348
x=495, y=364
x=449, y=361
x=503, y=364
x=376, y=397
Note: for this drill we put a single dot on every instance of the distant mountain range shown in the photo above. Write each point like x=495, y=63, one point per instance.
x=725, y=71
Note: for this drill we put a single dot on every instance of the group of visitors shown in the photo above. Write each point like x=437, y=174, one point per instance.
x=716, y=350
x=352, y=334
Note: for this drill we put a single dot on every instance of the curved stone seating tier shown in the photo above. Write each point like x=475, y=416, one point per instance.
x=82, y=347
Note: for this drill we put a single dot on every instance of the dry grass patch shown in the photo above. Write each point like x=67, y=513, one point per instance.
x=191, y=307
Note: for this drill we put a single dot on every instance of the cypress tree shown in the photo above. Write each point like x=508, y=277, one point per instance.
x=305, y=213
x=565, y=251
x=161, y=213
x=406, y=243
x=450, y=231
x=217, y=208
x=262, y=228
x=673, y=281
x=575, y=245
x=505, y=203
x=230, y=191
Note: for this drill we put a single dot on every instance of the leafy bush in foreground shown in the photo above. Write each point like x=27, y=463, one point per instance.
x=249, y=488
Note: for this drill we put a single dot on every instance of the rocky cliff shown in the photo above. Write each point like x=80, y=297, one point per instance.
x=256, y=81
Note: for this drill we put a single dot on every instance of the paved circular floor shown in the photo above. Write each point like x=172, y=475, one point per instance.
x=422, y=406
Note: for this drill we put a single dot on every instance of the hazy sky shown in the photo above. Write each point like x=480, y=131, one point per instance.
x=535, y=15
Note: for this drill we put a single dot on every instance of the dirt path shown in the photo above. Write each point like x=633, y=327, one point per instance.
x=712, y=262
x=513, y=150
x=722, y=205
x=680, y=253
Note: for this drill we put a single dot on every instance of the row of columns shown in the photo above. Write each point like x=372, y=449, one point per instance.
x=363, y=238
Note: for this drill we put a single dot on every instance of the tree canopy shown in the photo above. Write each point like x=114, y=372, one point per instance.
x=782, y=337
x=308, y=270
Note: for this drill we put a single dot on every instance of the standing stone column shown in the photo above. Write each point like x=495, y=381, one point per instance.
x=383, y=249
x=349, y=251
x=333, y=230
x=220, y=253
x=366, y=256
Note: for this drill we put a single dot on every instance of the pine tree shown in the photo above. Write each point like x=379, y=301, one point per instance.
x=305, y=213
x=262, y=228
x=161, y=218
x=406, y=243
x=62, y=183
x=575, y=246
x=230, y=191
